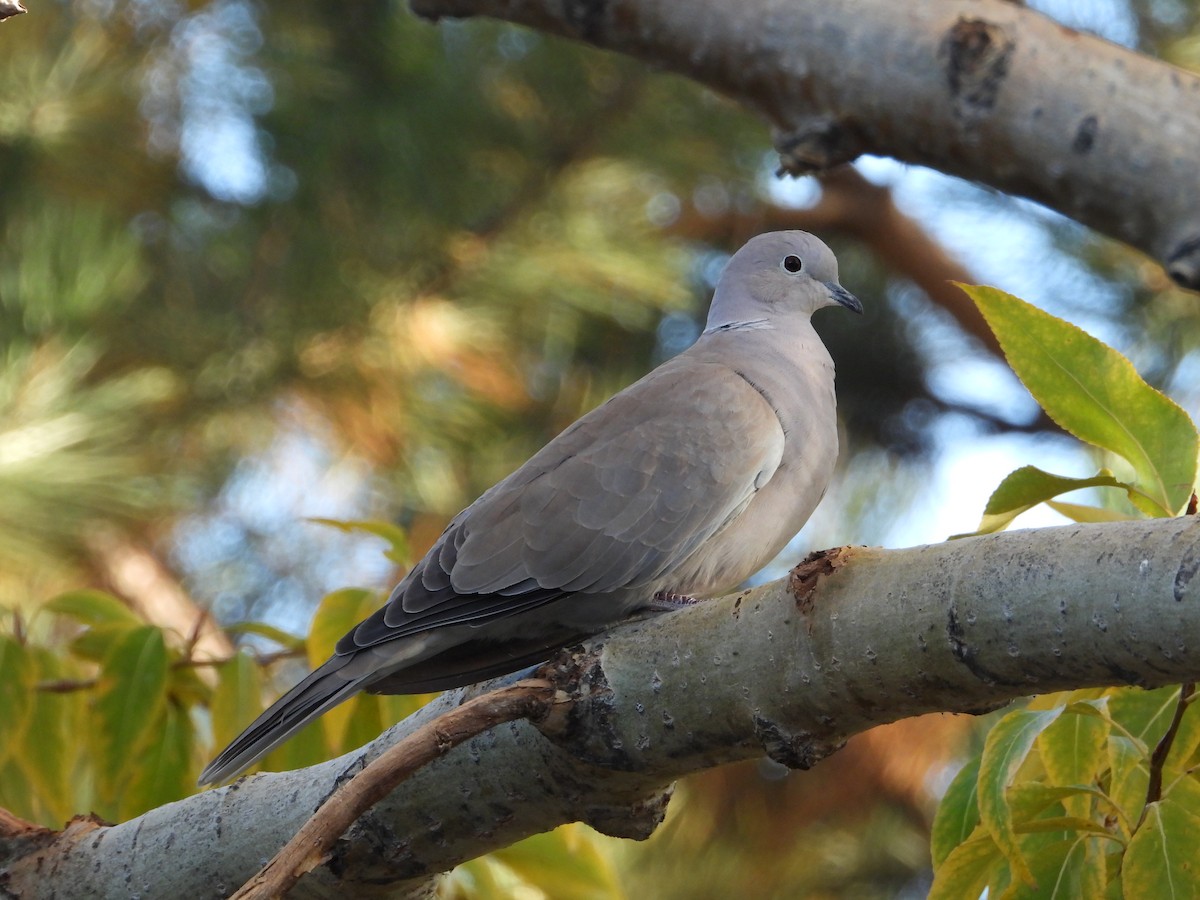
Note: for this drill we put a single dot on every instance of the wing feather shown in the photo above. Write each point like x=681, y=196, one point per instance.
x=614, y=502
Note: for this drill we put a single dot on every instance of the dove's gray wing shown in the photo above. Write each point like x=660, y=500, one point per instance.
x=609, y=506
x=613, y=503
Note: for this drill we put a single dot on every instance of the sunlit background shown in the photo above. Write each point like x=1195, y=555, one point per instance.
x=262, y=264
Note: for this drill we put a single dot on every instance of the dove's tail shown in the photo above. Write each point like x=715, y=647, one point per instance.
x=429, y=661
x=322, y=690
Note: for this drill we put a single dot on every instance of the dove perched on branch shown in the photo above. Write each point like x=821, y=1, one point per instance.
x=680, y=486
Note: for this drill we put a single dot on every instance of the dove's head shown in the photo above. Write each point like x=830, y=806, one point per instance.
x=781, y=273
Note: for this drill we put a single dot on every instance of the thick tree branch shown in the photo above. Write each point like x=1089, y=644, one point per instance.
x=983, y=89
x=857, y=637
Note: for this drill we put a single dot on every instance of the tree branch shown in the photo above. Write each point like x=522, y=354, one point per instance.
x=530, y=699
x=984, y=89
x=857, y=637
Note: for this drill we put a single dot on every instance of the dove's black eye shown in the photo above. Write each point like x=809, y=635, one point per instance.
x=792, y=263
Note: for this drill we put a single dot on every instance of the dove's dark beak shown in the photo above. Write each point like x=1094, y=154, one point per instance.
x=844, y=297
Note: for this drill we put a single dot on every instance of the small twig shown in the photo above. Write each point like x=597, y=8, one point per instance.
x=1159, y=757
x=194, y=633
x=529, y=699
x=262, y=660
x=66, y=685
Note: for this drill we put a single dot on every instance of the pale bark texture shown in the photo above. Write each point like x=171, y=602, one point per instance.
x=856, y=638
x=983, y=89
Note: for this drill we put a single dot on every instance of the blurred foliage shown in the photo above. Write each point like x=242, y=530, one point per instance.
x=85, y=666
x=1090, y=793
x=227, y=228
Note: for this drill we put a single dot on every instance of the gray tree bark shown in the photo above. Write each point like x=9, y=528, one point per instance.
x=983, y=89
x=855, y=638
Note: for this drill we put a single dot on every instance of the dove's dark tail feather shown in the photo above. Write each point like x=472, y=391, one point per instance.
x=341, y=677
x=322, y=690
x=471, y=663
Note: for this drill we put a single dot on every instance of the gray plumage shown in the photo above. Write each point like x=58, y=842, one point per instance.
x=684, y=483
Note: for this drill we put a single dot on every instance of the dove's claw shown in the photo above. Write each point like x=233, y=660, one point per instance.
x=669, y=600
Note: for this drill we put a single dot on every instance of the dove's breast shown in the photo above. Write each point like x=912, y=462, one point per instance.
x=796, y=379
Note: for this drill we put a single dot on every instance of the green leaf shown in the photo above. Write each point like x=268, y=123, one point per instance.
x=396, y=536
x=270, y=632
x=362, y=724
x=570, y=863
x=1074, y=750
x=1185, y=792
x=50, y=750
x=1129, y=776
x=1091, y=515
x=483, y=878
x=1161, y=863
x=957, y=813
x=968, y=869
x=129, y=707
x=1096, y=394
x=1062, y=823
x=1071, y=869
x=1187, y=739
x=91, y=607
x=1030, y=798
x=306, y=747
x=1004, y=751
x=187, y=686
x=337, y=614
x=17, y=679
x=1028, y=486
x=1144, y=714
x=237, y=700
x=15, y=793
x=96, y=642
x=395, y=707
x=163, y=771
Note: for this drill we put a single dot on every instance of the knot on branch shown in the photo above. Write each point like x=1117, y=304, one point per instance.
x=636, y=822
x=816, y=144
x=808, y=573
x=799, y=750
x=975, y=55
x=589, y=729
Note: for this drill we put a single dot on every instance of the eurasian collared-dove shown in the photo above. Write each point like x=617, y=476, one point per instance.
x=682, y=485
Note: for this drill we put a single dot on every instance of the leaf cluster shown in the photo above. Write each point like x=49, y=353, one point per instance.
x=1095, y=793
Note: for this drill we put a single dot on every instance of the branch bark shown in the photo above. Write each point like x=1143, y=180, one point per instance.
x=854, y=638
x=984, y=89
x=530, y=699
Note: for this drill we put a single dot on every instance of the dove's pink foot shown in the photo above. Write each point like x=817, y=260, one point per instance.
x=669, y=600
